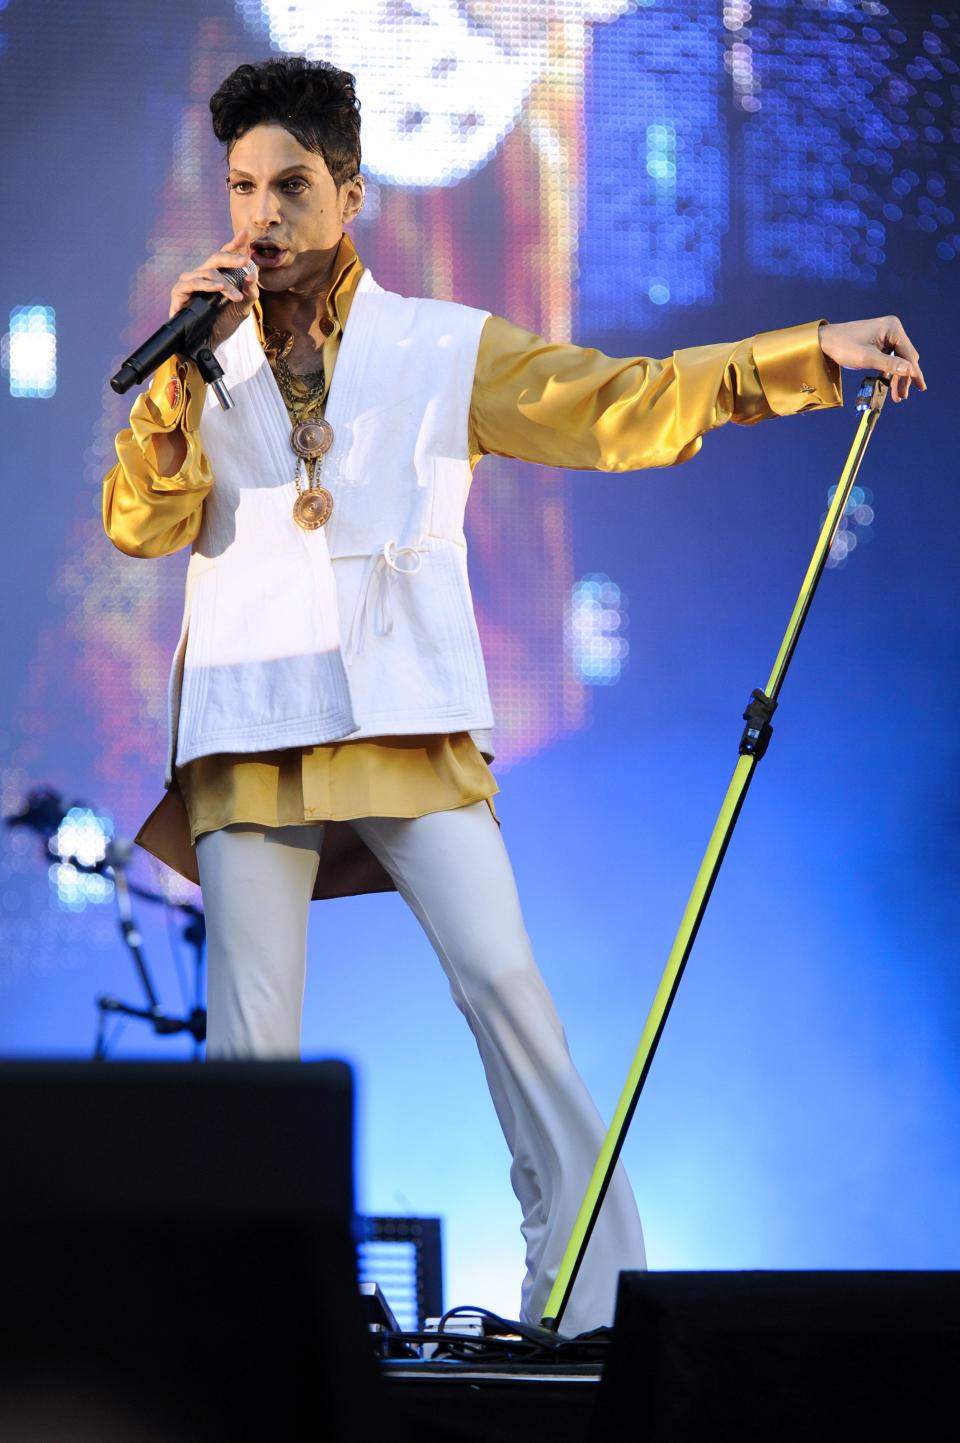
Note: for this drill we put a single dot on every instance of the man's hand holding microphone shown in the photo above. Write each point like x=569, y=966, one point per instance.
x=195, y=295
x=209, y=277
x=209, y=282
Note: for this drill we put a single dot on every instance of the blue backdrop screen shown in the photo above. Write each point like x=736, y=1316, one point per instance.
x=638, y=177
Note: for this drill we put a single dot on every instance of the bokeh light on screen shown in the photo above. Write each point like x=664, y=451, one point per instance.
x=855, y=524
x=738, y=58
x=596, y=617
x=28, y=352
x=82, y=837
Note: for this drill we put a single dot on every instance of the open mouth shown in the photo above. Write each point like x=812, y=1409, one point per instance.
x=266, y=254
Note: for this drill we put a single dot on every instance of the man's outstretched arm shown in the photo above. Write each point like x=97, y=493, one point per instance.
x=573, y=406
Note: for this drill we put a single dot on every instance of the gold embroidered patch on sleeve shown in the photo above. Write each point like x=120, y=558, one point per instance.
x=174, y=393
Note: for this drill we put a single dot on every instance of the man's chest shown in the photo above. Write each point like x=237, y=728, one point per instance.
x=305, y=357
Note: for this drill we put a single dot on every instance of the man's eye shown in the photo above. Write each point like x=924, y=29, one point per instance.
x=300, y=184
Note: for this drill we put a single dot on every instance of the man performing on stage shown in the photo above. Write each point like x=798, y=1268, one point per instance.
x=329, y=712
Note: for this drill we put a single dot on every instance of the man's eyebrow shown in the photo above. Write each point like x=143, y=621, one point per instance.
x=279, y=175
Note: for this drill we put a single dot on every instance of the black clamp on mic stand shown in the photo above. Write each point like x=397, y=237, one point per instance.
x=197, y=350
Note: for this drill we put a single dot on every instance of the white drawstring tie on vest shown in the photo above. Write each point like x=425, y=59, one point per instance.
x=374, y=602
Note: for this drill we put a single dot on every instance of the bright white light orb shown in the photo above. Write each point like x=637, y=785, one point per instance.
x=29, y=351
x=438, y=94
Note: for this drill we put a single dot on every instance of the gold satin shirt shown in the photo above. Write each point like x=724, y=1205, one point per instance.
x=558, y=405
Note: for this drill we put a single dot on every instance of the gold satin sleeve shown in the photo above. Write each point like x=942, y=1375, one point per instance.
x=574, y=407
x=144, y=513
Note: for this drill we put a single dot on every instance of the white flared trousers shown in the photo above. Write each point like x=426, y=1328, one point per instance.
x=452, y=868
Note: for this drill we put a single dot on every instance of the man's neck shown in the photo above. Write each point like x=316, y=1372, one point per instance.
x=300, y=310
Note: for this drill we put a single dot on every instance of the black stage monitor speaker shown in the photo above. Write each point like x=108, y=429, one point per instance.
x=177, y=1256
x=825, y=1356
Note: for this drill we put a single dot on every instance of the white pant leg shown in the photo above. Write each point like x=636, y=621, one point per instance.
x=453, y=870
x=256, y=884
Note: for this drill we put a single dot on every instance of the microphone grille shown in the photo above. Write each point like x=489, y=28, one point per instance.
x=237, y=274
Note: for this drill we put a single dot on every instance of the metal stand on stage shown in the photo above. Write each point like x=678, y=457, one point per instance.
x=753, y=744
x=194, y=934
x=43, y=813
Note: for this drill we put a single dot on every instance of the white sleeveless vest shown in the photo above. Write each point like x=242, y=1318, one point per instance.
x=364, y=627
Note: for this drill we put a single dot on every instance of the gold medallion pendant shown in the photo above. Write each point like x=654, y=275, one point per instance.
x=312, y=439
x=313, y=508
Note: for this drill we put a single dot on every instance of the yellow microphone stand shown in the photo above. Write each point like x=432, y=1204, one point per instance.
x=753, y=744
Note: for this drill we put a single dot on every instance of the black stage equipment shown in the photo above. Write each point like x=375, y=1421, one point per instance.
x=176, y=1252
x=862, y=1357
x=404, y=1255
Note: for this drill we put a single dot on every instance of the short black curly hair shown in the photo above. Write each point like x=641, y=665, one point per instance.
x=311, y=99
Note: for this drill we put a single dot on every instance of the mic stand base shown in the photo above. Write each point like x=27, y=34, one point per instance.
x=163, y=1024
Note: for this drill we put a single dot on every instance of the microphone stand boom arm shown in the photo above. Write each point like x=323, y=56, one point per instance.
x=753, y=744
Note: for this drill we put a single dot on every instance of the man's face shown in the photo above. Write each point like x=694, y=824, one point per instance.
x=285, y=196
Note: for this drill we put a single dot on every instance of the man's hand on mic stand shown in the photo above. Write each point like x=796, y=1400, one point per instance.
x=207, y=277
x=865, y=346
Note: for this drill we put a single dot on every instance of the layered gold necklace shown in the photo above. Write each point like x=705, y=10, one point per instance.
x=311, y=436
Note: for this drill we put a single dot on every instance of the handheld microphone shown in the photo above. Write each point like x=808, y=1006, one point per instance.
x=178, y=335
